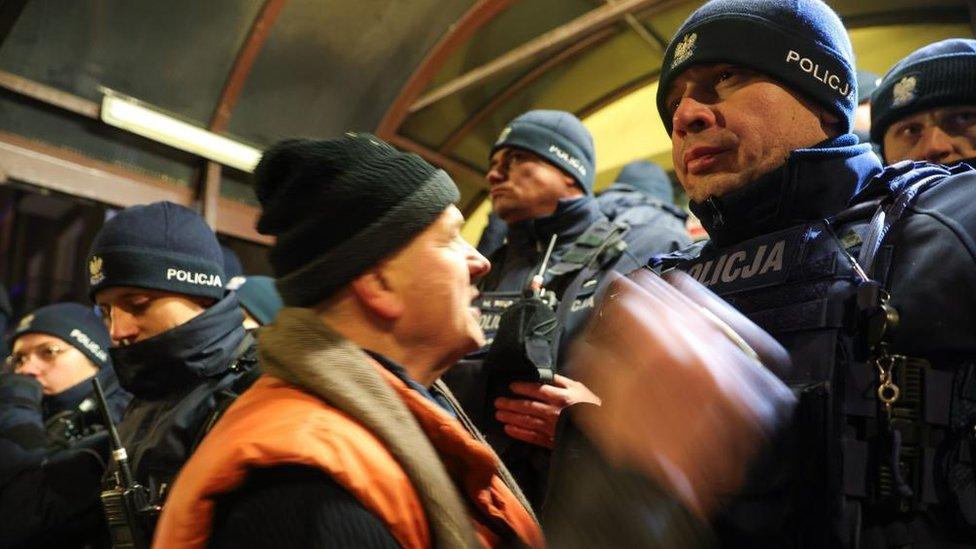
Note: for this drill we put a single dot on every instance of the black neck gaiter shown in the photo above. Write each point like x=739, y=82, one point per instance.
x=178, y=358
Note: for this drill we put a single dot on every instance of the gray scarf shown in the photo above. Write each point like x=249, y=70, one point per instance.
x=303, y=351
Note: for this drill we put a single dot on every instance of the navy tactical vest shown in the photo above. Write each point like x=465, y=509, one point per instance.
x=847, y=460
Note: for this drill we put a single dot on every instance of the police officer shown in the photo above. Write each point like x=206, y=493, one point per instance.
x=863, y=275
x=179, y=345
x=540, y=178
x=642, y=197
x=53, y=444
x=925, y=106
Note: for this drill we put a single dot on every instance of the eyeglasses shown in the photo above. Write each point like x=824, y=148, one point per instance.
x=45, y=351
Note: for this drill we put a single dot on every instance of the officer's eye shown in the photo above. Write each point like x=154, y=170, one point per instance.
x=137, y=303
x=726, y=74
x=910, y=131
x=960, y=121
x=15, y=361
x=49, y=352
x=673, y=105
x=517, y=157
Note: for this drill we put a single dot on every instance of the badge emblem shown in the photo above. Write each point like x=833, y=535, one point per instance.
x=95, y=270
x=503, y=135
x=25, y=322
x=236, y=282
x=684, y=49
x=904, y=91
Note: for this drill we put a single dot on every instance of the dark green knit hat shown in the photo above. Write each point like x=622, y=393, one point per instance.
x=339, y=206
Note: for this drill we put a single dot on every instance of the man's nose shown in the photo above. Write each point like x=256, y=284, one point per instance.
x=692, y=116
x=935, y=145
x=496, y=175
x=121, y=326
x=478, y=265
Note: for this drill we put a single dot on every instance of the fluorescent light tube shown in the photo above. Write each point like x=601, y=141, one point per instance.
x=131, y=116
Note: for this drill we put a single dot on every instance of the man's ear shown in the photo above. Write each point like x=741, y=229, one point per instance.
x=830, y=122
x=373, y=291
x=568, y=180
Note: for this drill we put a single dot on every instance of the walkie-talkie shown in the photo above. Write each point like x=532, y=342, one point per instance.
x=126, y=504
x=523, y=346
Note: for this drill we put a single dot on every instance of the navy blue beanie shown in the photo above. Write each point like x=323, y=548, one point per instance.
x=938, y=75
x=74, y=323
x=558, y=137
x=649, y=178
x=258, y=295
x=801, y=43
x=161, y=246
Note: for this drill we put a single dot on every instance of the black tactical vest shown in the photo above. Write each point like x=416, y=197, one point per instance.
x=848, y=459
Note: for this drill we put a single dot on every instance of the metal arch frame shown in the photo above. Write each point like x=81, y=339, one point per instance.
x=561, y=36
x=233, y=87
x=523, y=82
x=475, y=18
x=593, y=27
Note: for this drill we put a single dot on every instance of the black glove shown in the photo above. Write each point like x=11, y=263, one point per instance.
x=21, y=419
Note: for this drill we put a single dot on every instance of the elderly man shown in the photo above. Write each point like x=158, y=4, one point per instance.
x=925, y=106
x=874, y=302
x=348, y=440
x=53, y=443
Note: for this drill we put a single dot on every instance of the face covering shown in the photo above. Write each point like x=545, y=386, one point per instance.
x=178, y=358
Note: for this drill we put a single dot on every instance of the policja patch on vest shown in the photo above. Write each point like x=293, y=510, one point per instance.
x=754, y=264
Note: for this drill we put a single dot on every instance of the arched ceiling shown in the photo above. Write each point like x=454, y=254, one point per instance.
x=439, y=77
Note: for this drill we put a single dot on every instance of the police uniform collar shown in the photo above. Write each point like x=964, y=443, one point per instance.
x=180, y=357
x=571, y=219
x=813, y=184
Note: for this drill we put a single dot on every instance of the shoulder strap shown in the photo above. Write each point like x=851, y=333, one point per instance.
x=244, y=364
x=886, y=215
x=602, y=241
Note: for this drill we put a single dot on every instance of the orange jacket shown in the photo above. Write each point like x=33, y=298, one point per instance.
x=276, y=423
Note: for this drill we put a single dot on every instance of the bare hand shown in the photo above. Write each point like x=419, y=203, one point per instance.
x=533, y=419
